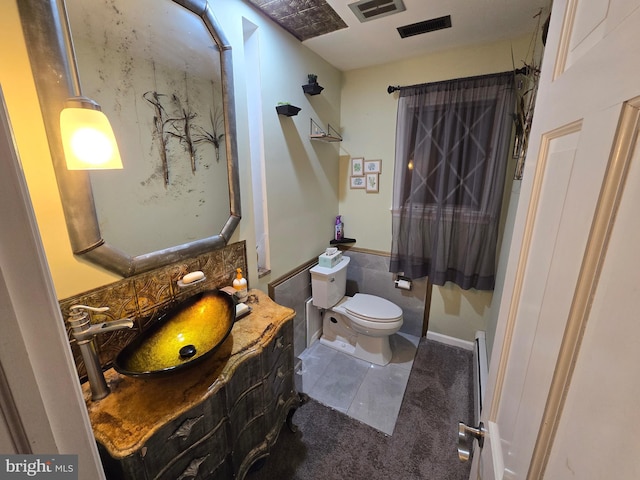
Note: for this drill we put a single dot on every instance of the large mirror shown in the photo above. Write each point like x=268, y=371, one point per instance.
x=162, y=72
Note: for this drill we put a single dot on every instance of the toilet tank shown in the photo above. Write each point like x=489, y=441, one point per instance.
x=328, y=285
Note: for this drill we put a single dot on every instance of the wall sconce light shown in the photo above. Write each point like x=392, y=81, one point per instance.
x=87, y=136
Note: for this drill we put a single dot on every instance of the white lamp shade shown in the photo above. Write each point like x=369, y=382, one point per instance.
x=88, y=139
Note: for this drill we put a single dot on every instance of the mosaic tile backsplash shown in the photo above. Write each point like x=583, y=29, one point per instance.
x=144, y=297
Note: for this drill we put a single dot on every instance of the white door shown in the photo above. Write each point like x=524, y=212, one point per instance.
x=563, y=378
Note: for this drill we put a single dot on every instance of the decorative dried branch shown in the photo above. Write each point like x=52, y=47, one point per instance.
x=183, y=130
x=159, y=134
x=216, y=135
x=213, y=137
x=526, y=82
x=181, y=125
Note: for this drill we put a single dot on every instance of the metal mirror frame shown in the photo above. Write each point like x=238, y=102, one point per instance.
x=48, y=41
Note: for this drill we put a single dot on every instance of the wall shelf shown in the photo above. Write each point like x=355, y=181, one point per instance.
x=312, y=88
x=342, y=241
x=318, y=134
x=287, y=110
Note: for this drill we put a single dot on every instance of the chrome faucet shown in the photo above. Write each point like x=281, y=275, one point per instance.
x=84, y=333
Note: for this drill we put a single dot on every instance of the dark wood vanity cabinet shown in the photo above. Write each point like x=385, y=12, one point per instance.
x=189, y=443
x=260, y=400
x=212, y=422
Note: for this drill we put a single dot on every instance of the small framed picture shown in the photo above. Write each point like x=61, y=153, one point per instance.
x=357, y=167
x=372, y=182
x=373, y=166
x=358, y=182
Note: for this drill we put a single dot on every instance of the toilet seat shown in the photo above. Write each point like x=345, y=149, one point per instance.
x=370, y=308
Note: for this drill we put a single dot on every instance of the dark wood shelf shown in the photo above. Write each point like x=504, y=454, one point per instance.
x=342, y=240
x=287, y=110
x=312, y=88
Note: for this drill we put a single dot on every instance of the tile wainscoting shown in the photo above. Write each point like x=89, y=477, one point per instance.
x=368, y=272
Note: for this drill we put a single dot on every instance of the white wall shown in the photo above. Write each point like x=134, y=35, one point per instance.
x=369, y=119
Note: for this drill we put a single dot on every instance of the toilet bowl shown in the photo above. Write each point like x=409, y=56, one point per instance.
x=360, y=325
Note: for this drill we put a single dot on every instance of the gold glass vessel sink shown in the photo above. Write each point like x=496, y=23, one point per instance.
x=184, y=335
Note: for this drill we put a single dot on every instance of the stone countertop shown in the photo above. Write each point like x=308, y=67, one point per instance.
x=137, y=407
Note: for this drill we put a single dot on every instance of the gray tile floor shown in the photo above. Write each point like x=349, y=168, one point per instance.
x=367, y=392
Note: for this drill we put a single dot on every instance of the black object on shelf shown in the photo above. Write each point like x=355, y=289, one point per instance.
x=312, y=88
x=287, y=110
x=342, y=240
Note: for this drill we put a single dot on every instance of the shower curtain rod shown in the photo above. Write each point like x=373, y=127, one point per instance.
x=518, y=71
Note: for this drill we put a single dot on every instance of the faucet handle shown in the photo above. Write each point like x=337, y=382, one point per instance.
x=79, y=314
x=73, y=308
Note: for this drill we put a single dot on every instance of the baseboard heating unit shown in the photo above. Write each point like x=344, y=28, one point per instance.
x=480, y=373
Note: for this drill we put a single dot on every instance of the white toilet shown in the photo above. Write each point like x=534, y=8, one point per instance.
x=358, y=325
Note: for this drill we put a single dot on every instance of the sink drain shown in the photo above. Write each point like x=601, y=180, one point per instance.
x=187, y=351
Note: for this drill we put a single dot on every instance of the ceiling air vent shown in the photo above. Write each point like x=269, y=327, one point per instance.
x=367, y=10
x=424, y=27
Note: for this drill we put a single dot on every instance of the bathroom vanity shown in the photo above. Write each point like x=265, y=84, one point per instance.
x=211, y=421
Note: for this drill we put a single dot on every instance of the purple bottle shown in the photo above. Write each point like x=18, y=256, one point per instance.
x=338, y=228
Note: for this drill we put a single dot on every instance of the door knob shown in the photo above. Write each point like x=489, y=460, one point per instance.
x=466, y=434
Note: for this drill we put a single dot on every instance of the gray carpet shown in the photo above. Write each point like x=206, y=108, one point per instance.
x=329, y=445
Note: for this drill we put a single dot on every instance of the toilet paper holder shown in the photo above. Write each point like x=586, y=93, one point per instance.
x=403, y=283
